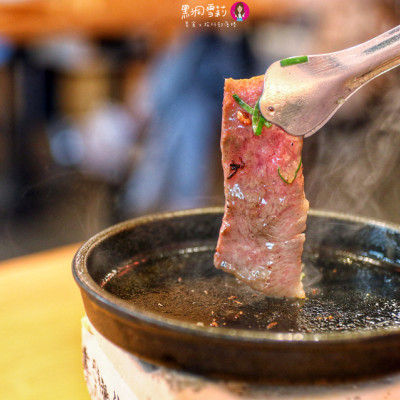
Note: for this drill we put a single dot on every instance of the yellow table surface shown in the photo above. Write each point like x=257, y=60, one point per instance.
x=40, y=335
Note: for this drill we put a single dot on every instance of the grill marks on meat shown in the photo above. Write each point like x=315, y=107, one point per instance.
x=261, y=239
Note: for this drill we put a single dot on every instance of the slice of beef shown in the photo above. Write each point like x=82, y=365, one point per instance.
x=261, y=239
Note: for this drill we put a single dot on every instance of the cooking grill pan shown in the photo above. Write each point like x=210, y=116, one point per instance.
x=149, y=286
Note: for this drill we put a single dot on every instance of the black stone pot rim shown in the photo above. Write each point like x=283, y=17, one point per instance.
x=122, y=310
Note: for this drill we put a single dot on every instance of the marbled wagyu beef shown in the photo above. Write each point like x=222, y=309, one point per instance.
x=261, y=239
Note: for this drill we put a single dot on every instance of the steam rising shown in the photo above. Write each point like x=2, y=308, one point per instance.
x=354, y=168
x=312, y=275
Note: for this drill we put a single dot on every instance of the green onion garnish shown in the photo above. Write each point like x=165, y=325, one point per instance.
x=294, y=60
x=267, y=123
x=295, y=174
x=258, y=121
x=243, y=104
x=259, y=127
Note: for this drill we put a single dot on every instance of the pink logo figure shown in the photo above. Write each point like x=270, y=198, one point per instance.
x=240, y=11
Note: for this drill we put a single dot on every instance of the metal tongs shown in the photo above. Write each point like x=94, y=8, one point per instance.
x=302, y=93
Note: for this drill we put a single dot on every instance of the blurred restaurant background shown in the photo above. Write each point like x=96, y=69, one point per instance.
x=112, y=109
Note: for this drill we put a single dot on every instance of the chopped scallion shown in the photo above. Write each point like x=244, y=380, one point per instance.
x=258, y=121
x=259, y=126
x=243, y=104
x=295, y=174
x=267, y=123
x=293, y=60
